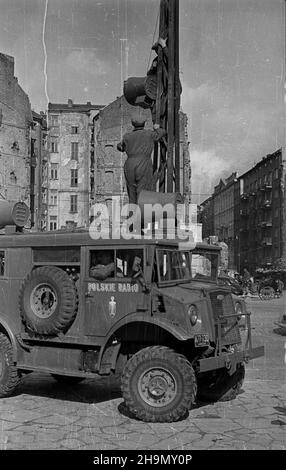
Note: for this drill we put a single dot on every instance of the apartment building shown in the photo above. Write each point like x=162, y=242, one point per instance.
x=217, y=215
x=260, y=213
x=71, y=156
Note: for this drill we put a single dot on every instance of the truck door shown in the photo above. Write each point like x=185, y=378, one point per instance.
x=110, y=291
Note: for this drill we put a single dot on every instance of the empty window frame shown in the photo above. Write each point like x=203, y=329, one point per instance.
x=74, y=151
x=74, y=178
x=73, y=203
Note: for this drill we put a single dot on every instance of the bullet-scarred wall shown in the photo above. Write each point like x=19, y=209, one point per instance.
x=16, y=117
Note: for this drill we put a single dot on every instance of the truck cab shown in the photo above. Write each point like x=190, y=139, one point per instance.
x=77, y=308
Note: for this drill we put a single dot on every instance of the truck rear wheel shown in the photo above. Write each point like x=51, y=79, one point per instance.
x=48, y=300
x=220, y=386
x=9, y=374
x=158, y=385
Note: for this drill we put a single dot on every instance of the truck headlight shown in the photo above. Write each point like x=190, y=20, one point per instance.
x=193, y=314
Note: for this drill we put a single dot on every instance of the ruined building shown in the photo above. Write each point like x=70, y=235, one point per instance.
x=84, y=164
x=15, y=124
x=249, y=214
x=109, y=126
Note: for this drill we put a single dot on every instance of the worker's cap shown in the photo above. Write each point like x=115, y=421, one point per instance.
x=138, y=120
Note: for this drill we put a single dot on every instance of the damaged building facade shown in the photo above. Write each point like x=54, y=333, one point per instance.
x=15, y=143
x=85, y=166
x=111, y=123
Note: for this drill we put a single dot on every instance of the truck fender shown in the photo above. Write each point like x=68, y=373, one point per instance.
x=173, y=329
x=111, y=348
x=11, y=336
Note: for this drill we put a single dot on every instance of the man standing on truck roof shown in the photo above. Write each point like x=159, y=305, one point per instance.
x=138, y=145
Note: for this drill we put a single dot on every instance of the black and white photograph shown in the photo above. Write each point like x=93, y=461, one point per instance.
x=142, y=229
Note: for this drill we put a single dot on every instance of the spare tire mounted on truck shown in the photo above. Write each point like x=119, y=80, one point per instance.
x=48, y=300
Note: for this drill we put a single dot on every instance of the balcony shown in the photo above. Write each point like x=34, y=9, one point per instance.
x=268, y=186
x=266, y=223
x=267, y=204
x=267, y=241
x=243, y=213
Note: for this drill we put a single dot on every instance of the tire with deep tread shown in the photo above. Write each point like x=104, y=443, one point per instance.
x=65, y=290
x=67, y=379
x=220, y=386
x=177, y=366
x=9, y=375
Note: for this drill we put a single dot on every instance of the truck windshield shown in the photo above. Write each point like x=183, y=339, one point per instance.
x=204, y=265
x=173, y=265
x=186, y=265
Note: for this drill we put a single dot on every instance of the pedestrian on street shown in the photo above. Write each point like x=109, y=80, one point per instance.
x=246, y=281
x=138, y=145
x=279, y=286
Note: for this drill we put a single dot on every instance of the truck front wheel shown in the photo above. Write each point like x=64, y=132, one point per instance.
x=158, y=385
x=220, y=386
x=9, y=374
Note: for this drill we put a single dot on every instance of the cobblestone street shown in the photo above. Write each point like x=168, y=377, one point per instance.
x=91, y=415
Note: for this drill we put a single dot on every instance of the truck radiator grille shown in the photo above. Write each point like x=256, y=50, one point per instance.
x=224, y=308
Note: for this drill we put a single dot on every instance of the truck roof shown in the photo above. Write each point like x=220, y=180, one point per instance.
x=79, y=238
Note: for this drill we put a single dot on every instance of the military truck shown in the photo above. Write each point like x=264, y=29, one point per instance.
x=158, y=318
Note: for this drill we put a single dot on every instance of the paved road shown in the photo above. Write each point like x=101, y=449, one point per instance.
x=45, y=415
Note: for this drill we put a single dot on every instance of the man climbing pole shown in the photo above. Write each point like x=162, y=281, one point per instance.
x=138, y=145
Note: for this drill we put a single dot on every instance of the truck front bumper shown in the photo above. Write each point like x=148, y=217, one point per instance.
x=229, y=360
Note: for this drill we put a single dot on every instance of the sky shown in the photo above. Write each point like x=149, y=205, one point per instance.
x=232, y=58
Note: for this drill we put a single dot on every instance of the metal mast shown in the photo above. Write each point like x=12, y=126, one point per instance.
x=169, y=88
x=160, y=91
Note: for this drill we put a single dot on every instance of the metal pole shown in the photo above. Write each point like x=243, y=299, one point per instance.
x=158, y=106
x=177, y=101
x=161, y=118
x=171, y=97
